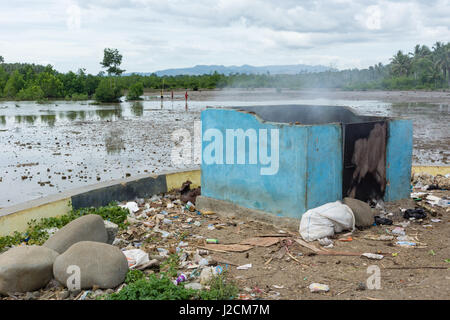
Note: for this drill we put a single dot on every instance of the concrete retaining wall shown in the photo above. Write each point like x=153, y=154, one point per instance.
x=16, y=218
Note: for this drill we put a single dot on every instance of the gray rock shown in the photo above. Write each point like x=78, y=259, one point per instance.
x=53, y=284
x=100, y=264
x=26, y=268
x=86, y=228
x=63, y=295
x=111, y=229
x=364, y=216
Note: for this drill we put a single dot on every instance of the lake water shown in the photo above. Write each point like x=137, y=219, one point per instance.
x=49, y=148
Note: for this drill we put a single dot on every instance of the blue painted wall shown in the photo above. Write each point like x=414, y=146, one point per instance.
x=309, y=173
x=325, y=165
x=398, y=159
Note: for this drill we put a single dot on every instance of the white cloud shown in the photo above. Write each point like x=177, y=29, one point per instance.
x=155, y=34
x=73, y=17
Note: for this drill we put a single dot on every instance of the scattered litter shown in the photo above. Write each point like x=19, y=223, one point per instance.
x=51, y=231
x=405, y=244
x=136, y=257
x=244, y=267
x=417, y=194
x=404, y=238
x=189, y=206
x=207, y=213
x=373, y=256
x=415, y=213
x=382, y=221
x=85, y=294
x=211, y=227
x=403, y=224
x=318, y=287
x=163, y=252
x=346, y=239
x=180, y=278
x=398, y=231
x=326, y=220
x=325, y=242
x=278, y=287
x=197, y=223
x=212, y=241
x=436, y=220
x=131, y=206
x=207, y=274
x=382, y=237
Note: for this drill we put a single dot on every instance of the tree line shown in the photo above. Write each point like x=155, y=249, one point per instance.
x=422, y=68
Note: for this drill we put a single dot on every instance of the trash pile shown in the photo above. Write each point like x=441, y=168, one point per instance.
x=206, y=244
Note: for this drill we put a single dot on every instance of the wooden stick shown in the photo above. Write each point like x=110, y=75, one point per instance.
x=268, y=261
x=338, y=253
x=307, y=245
x=217, y=250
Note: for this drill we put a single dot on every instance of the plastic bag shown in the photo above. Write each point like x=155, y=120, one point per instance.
x=136, y=257
x=325, y=220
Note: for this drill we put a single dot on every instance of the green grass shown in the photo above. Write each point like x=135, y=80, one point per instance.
x=161, y=287
x=220, y=289
x=154, y=288
x=133, y=276
x=36, y=234
x=170, y=266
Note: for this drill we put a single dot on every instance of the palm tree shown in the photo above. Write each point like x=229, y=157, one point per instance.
x=401, y=64
x=442, y=58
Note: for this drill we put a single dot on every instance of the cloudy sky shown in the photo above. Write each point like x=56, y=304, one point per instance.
x=157, y=34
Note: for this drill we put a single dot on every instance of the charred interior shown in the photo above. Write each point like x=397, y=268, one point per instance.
x=364, y=143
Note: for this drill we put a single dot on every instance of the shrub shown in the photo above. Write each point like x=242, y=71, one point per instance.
x=31, y=93
x=136, y=91
x=108, y=91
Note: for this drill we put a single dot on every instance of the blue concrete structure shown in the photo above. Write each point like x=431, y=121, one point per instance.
x=310, y=164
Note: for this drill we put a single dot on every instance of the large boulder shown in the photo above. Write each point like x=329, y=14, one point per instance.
x=86, y=228
x=100, y=264
x=26, y=268
x=364, y=216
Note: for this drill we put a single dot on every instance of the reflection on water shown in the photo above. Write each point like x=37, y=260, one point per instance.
x=137, y=109
x=48, y=119
x=114, y=142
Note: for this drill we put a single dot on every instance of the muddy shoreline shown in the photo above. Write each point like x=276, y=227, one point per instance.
x=49, y=148
x=434, y=97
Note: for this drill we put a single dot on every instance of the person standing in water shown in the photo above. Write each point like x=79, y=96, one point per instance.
x=186, y=98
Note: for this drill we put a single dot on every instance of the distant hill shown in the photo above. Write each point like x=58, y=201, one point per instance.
x=208, y=69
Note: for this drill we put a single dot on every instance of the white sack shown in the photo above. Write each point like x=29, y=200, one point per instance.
x=326, y=220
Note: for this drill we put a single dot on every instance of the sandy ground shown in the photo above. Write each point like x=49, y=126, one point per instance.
x=286, y=94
